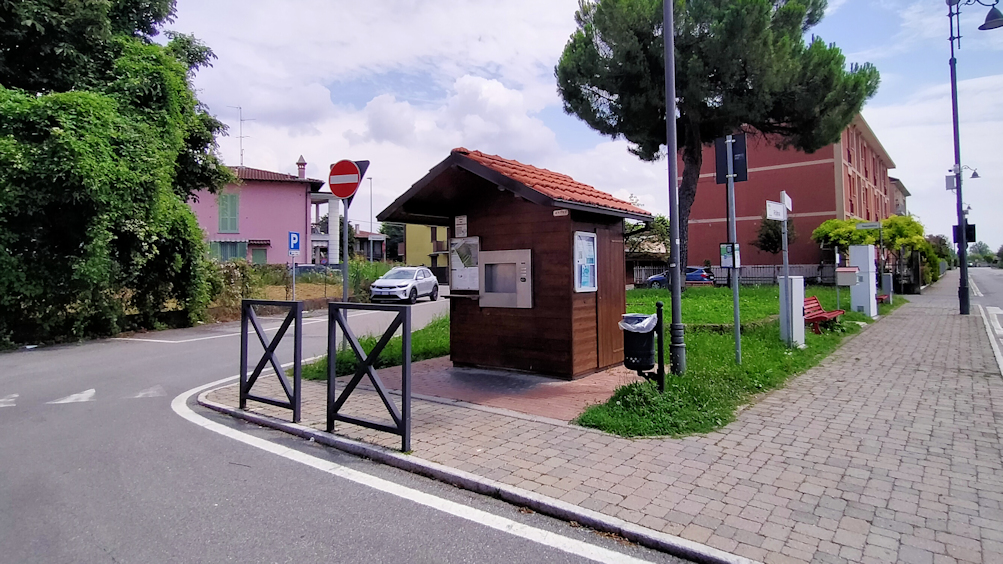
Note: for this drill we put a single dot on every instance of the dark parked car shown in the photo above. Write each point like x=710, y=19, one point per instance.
x=693, y=274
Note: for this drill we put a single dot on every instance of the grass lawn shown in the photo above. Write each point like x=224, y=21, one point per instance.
x=431, y=341
x=707, y=396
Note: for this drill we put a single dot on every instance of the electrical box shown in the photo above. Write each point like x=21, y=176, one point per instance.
x=506, y=278
x=846, y=276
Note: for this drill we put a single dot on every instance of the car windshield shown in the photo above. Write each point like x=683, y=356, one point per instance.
x=399, y=275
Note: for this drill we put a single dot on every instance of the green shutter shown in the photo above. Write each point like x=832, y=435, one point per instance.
x=259, y=256
x=242, y=250
x=214, y=250
x=228, y=213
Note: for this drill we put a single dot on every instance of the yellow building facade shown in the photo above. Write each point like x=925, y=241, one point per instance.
x=426, y=245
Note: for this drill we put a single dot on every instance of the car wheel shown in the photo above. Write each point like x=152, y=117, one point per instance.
x=435, y=293
x=413, y=296
x=656, y=285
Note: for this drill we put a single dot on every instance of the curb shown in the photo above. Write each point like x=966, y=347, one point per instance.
x=643, y=536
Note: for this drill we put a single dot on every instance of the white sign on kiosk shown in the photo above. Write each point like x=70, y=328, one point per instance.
x=464, y=263
x=586, y=275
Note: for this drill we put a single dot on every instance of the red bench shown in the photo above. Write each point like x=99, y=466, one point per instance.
x=884, y=299
x=814, y=314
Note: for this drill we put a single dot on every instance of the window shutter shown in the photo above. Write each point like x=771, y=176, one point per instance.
x=241, y=251
x=214, y=250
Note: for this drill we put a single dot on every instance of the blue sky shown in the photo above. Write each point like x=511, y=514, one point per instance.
x=401, y=83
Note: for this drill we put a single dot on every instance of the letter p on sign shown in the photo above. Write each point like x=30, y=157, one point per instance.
x=294, y=243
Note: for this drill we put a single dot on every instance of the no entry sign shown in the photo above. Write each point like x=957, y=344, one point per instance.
x=344, y=179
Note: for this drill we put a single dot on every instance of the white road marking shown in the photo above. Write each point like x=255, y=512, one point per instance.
x=993, y=312
x=546, y=538
x=86, y=395
x=8, y=400
x=154, y=392
x=992, y=340
x=975, y=289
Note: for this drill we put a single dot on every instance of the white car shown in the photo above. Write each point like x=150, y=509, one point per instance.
x=405, y=283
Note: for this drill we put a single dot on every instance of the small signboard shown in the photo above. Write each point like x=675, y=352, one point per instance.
x=949, y=181
x=775, y=211
x=294, y=244
x=969, y=233
x=461, y=226
x=463, y=263
x=586, y=275
x=869, y=225
x=788, y=203
x=740, y=165
x=730, y=256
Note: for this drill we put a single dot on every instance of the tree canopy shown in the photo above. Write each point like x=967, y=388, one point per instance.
x=102, y=140
x=739, y=66
x=770, y=237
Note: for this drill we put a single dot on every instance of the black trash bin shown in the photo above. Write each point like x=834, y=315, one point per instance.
x=638, y=341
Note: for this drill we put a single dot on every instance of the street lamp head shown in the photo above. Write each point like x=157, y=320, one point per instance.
x=975, y=174
x=994, y=19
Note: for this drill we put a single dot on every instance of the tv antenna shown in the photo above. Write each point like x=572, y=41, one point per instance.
x=240, y=129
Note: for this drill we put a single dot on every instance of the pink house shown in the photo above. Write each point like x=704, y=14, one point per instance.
x=252, y=219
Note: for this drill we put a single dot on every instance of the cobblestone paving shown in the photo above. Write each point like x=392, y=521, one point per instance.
x=887, y=451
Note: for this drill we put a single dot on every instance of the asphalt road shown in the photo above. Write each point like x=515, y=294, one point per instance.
x=986, y=287
x=111, y=473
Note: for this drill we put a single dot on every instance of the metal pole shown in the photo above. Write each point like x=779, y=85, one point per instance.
x=732, y=240
x=660, y=335
x=963, y=298
x=344, y=253
x=787, y=283
x=677, y=347
x=294, y=278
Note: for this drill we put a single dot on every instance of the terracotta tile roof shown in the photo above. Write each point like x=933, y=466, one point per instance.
x=248, y=173
x=552, y=184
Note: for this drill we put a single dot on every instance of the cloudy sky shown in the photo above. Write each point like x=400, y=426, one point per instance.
x=400, y=83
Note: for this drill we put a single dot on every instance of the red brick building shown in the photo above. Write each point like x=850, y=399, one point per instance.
x=848, y=179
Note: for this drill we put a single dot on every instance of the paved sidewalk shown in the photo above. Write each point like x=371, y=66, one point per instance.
x=887, y=451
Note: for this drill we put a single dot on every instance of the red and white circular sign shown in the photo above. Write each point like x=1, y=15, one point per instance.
x=344, y=179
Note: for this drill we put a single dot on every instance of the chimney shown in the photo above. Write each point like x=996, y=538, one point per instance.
x=301, y=165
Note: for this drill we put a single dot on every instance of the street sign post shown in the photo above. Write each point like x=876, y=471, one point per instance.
x=294, y=251
x=778, y=211
x=343, y=180
x=732, y=166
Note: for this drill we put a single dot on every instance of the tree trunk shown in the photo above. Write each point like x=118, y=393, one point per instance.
x=692, y=161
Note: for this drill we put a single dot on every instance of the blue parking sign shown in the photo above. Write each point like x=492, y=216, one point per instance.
x=294, y=243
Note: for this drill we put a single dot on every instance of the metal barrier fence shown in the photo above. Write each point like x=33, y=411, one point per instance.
x=294, y=315
x=338, y=317
x=824, y=274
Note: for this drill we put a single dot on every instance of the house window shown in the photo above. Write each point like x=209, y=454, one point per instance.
x=228, y=250
x=434, y=232
x=228, y=210
x=259, y=256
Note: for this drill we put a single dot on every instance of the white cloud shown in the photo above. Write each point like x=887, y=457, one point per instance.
x=919, y=135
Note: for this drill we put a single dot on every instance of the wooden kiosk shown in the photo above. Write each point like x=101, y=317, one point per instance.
x=536, y=263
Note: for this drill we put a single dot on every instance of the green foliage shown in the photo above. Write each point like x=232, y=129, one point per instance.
x=942, y=248
x=979, y=250
x=903, y=231
x=770, y=236
x=738, y=65
x=233, y=281
x=395, y=236
x=652, y=237
x=843, y=233
x=709, y=305
x=101, y=140
x=708, y=395
x=431, y=341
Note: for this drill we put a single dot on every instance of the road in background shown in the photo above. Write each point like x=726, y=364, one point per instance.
x=986, y=285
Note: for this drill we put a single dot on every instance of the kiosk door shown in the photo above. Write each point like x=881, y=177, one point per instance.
x=611, y=295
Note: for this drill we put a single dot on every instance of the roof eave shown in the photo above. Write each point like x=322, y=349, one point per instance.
x=591, y=208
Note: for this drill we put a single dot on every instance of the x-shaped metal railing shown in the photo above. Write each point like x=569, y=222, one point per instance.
x=338, y=317
x=269, y=356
